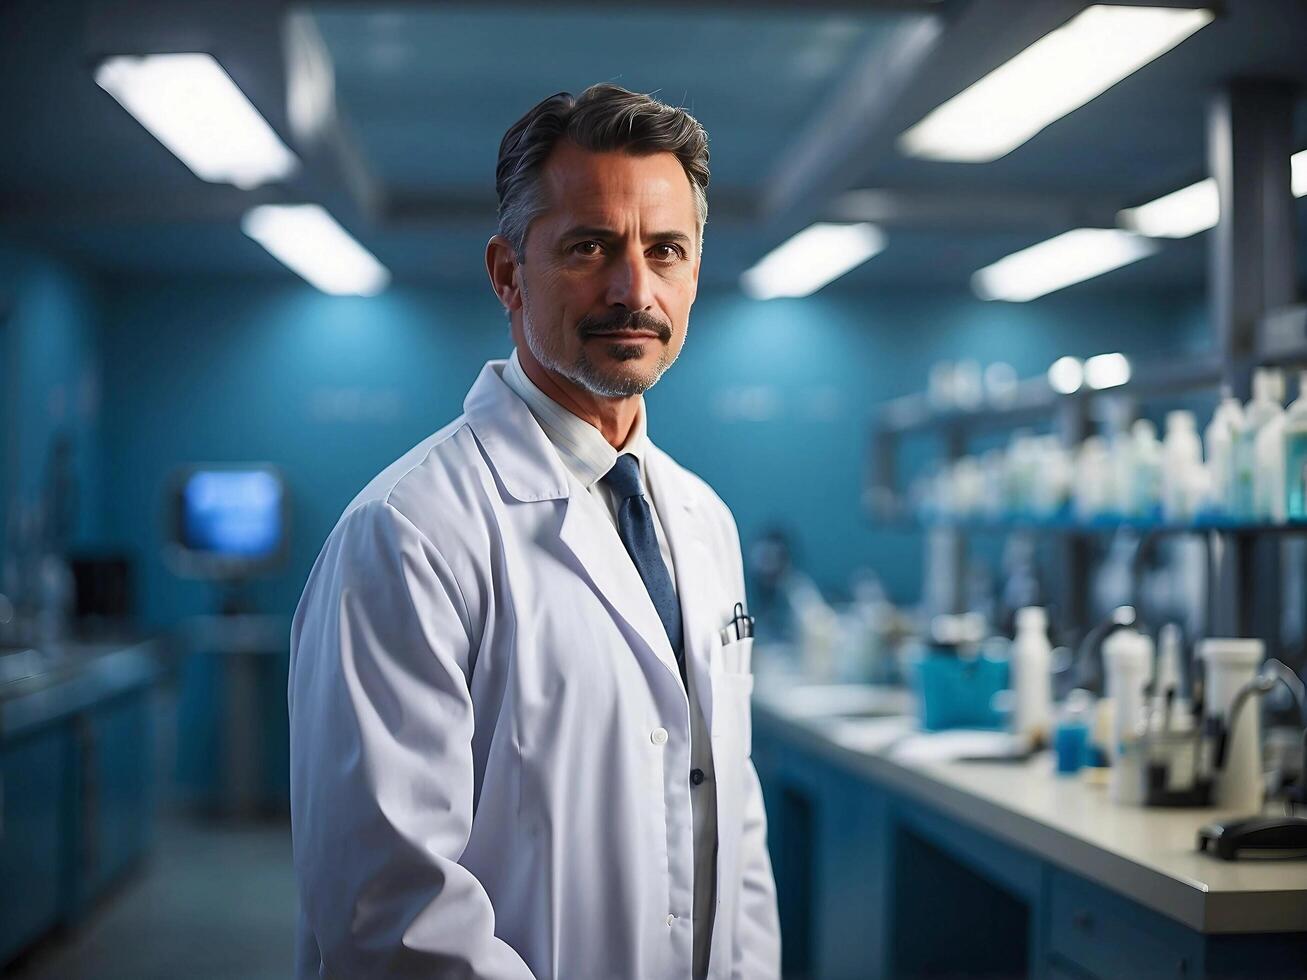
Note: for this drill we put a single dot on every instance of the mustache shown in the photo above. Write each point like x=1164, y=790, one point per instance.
x=625, y=320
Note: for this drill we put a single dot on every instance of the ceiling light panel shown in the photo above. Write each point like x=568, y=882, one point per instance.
x=1054, y=76
x=191, y=106
x=1069, y=258
x=1176, y=215
x=1195, y=208
x=309, y=241
x=814, y=257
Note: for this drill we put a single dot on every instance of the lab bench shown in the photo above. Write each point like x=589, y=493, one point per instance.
x=888, y=867
x=76, y=781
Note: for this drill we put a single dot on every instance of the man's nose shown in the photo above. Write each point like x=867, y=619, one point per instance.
x=630, y=283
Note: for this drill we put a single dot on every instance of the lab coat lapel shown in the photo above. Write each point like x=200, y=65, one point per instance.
x=681, y=520
x=529, y=469
x=591, y=537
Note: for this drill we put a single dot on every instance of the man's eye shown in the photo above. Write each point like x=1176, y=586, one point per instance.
x=666, y=250
x=586, y=248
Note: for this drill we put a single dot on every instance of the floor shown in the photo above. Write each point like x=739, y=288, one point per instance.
x=213, y=901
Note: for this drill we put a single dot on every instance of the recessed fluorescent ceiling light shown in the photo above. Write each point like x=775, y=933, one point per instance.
x=1176, y=215
x=1195, y=208
x=1069, y=258
x=193, y=108
x=1054, y=76
x=818, y=255
x=308, y=240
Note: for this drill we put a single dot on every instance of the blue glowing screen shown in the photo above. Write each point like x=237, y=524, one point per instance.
x=232, y=512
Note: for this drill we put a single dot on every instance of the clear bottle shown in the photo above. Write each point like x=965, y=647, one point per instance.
x=1182, y=455
x=1032, y=665
x=1264, y=409
x=1222, y=432
x=1295, y=455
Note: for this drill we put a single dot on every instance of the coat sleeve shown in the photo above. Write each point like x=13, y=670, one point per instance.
x=381, y=761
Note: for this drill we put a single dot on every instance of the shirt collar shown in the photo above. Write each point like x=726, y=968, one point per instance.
x=582, y=448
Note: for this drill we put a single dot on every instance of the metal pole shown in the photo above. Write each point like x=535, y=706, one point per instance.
x=1252, y=271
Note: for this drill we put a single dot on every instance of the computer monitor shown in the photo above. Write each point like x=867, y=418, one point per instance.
x=227, y=521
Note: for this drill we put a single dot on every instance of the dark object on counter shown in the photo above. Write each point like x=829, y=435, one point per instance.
x=1261, y=837
x=103, y=586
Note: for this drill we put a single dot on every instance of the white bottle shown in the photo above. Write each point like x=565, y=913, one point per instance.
x=1263, y=410
x=1222, y=432
x=1129, y=659
x=1232, y=663
x=1295, y=455
x=1146, y=470
x=1182, y=455
x=1121, y=450
x=1032, y=665
x=1092, y=493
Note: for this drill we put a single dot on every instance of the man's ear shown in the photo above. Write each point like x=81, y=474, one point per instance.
x=501, y=266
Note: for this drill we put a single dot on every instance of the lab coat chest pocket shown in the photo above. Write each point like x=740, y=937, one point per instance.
x=732, y=690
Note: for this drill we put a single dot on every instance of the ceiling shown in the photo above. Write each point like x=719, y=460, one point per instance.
x=802, y=103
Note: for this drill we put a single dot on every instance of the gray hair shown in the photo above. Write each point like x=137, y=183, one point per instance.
x=602, y=119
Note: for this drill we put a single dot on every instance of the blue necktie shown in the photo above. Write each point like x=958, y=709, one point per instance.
x=635, y=525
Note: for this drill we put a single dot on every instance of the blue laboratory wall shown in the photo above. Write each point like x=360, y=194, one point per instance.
x=769, y=401
x=50, y=334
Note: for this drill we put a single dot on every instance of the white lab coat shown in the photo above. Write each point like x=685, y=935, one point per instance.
x=490, y=749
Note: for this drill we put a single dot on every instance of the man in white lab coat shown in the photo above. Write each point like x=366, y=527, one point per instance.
x=519, y=734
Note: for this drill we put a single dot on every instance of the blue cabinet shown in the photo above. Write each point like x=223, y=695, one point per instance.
x=35, y=825
x=875, y=883
x=76, y=793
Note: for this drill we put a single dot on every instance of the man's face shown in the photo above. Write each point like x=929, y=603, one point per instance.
x=611, y=269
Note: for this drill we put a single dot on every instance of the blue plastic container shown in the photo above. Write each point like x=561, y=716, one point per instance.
x=1071, y=746
x=958, y=692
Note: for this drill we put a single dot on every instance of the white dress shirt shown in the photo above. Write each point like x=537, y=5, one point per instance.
x=588, y=457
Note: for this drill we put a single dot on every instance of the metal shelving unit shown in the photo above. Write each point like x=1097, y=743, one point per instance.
x=1252, y=286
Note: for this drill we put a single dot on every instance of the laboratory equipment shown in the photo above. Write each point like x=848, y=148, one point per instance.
x=1222, y=432
x=1230, y=665
x=1262, y=411
x=1295, y=455
x=1182, y=470
x=1129, y=657
x=227, y=521
x=1071, y=736
x=956, y=683
x=1263, y=837
x=1032, y=657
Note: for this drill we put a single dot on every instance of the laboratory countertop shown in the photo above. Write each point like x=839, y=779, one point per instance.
x=40, y=686
x=1146, y=854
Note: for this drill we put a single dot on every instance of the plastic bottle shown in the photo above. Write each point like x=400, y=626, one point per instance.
x=1295, y=455
x=1227, y=422
x=1182, y=455
x=1263, y=410
x=1032, y=663
x=1146, y=470
x=1129, y=657
x=1091, y=492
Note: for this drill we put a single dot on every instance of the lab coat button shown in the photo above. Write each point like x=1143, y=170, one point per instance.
x=671, y=919
x=696, y=776
x=658, y=736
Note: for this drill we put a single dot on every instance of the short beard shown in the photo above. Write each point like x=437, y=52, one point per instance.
x=583, y=372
